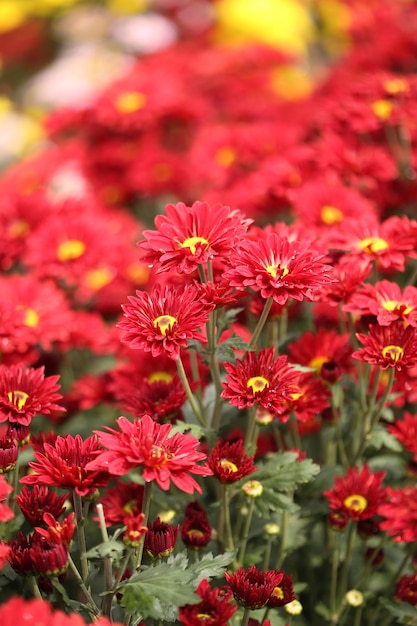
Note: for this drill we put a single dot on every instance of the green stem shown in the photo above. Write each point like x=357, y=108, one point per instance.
x=333, y=581
x=251, y=432
x=245, y=618
x=82, y=545
x=15, y=484
x=34, y=587
x=107, y=564
x=246, y=529
x=146, y=505
x=93, y=608
x=229, y=543
x=267, y=556
x=261, y=322
x=285, y=522
x=346, y=563
x=190, y=395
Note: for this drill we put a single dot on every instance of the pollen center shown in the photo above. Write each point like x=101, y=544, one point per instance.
x=98, y=278
x=318, y=362
x=257, y=383
x=165, y=323
x=228, y=465
x=205, y=618
x=356, y=503
x=225, y=156
x=273, y=270
x=394, y=305
x=395, y=85
x=382, y=109
x=372, y=245
x=159, y=376
x=395, y=353
x=130, y=102
x=331, y=215
x=31, y=318
x=277, y=593
x=18, y=398
x=70, y=250
x=193, y=242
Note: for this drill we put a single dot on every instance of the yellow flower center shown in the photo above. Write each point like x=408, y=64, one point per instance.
x=98, y=278
x=130, y=507
x=257, y=383
x=205, y=618
x=228, y=465
x=70, y=249
x=395, y=353
x=318, y=362
x=158, y=453
x=296, y=395
x=277, y=593
x=382, y=109
x=155, y=377
x=274, y=269
x=192, y=242
x=356, y=502
x=31, y=318
x=395, y=85
x=394, y=305
x=225, y=156
x=165, y=323
x=331, y=215
x=18, y=398
x=371, y=245
x=130, y=102
x=138, y=273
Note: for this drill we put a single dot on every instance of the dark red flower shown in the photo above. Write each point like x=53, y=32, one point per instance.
x=160, y=539
x=120, y=500
x=196, y=531
x=252, y=588
x=25, y=392
x=135, y=530
x=6, y=512
x=216, y=607
x=190, y=236
x=405, y=431
x=358, y=494
x=389, y=346
x=56, y=532
x=35, y=502
x=282, y=594
x=36, y=556
x=229, y=463
x=321, y=350
x=163, y=321
x=9, y=451
x=64, y=464
x=147, y=445
x=406, y=589
x=260, y=379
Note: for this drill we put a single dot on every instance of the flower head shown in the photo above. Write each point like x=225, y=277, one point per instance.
x=386, y=301
x=163, y=321
x=35, y=502
x=189, y=236
x=400, y=514
x=148, y=445
x=229, y=463
x=252, y=588
x=260, y=379
x=389, y=346
x=6, y=512
x=160, y=539
x=215, y=608
x=25, y=392
x=358, y=494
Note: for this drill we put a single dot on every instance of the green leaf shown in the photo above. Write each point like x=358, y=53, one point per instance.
x=401, y=610
x=109, y=548
x=284, y=472
x=210, y=566
x=381, y=438
x=322, y=610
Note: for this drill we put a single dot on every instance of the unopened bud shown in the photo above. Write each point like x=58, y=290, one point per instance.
x=253, y=488
x=354, y=598
x=272, y=529
x=294, y=608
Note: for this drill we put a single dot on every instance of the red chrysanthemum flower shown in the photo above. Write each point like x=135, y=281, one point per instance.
x=405, y=431
x=282, y=594
x=56, y=532
x=161, y=400
x=135, y=530
x=6, y=512
x=279, y=268
x=386, y=302
x=349, y=273
x=163, y=321
x=9, y=452
x=358, y=494
x=120, y=500
x=260, y=379
x=252, y=588
x=25, y=392
x=35, y=555
x=400, y=514
x=310, y=399
x=160, y=539
x=406, y=589
x=196, y=532
x=146, y=444
x=389, y=346
x=216, y=607
x=4, y=554
x=325, y=351
x=190, y=236
x=229, y=463
x=35, y=502
x=64, y=464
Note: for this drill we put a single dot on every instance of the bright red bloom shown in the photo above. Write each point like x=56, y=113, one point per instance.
x=349, y=273
x=4, y=554
x=163, y=321
x=35, y=502
x=135, y=530
x=160, y=539
x=321, y=351
x=389, y=346
x=405, y=431
x=64, y=464
x=161, y=400
x=229, y=463
x=358, y=494
x=25, y=392
x=120, y=500
x=9, y=451
x=406, y=589
x=400, y=514
x=279, y=268
x=252, y=588
x=386, y=302
x=6, y=512
x=260, y=379
x=56, y=532
x=146, y=444
x=190, y=236
x=310, y=399
x=283, y=593
x=215, y=608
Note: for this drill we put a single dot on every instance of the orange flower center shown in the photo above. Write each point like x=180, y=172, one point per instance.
x=277, y=593
x=70, y=249
x=225, y=156
x=257, y=383
x=372, y=245
x=205, y=618
x=395, y=85
x=228, y=465
x=356, y=502
x=18, y=398
x=165, y=323
x=395, y=353
x=130, y=507
x=331, y=215
x=165, y=377
x=193, y=242
x=130, y=102
x=382, y=109
x=318, y=362
x=98, y=278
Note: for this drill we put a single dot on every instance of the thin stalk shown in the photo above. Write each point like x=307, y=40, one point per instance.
x=82, y=545
x=333, y=581
x=146, y=505
x=229, y=543
x=92, y=606
x=346, y=563
x=15, y=484
x=285, y=522
x=34, y=588
x=190, y=395
x=246, y=529
x=261, y=322
x=245, y=618
x=107, y=564
x=267, y=556
x=251, y=431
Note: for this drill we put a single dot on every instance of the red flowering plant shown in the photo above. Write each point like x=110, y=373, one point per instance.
x=208, y=334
